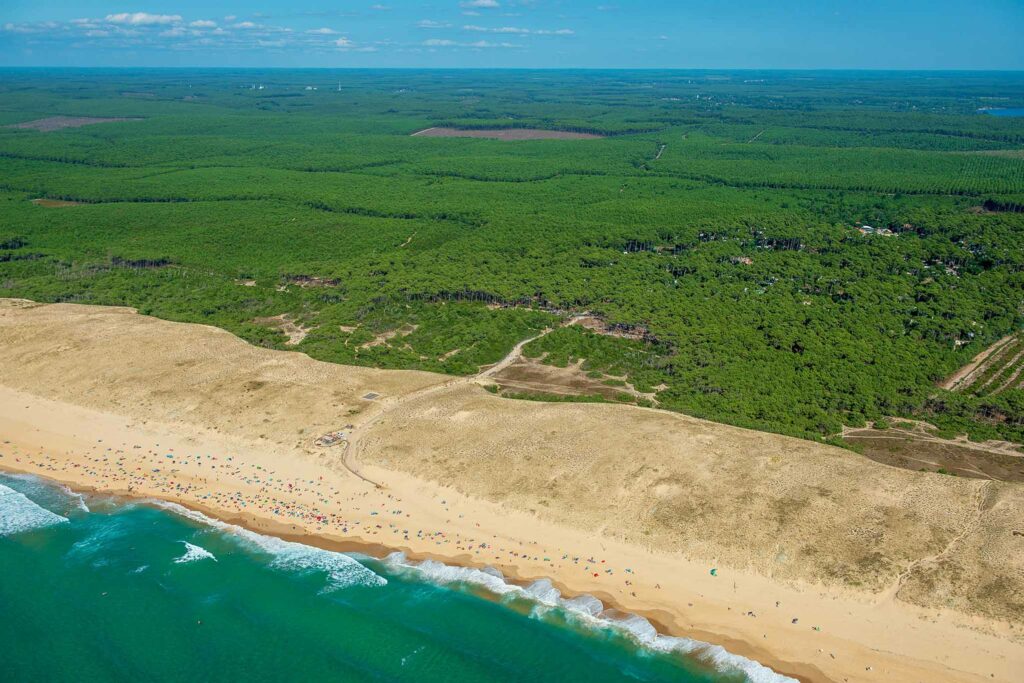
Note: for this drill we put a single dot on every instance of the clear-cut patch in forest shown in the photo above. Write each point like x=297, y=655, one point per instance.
x=294, y=330
x=52, y=123
x=531, y=376
x=599, y=325
x=993, y=371
x=505, y=134
x=54, y=203
x=384, y=337
x=914, y=445
x=312, y=281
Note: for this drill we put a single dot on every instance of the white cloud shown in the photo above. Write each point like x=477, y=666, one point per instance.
x=143, y=18
x=380, y=8
x=519, y=31
x=484, y=43
x=429, y=23
x=480, y=4
x=141, y=30
x=503, y=29
x=440, y=42
x=38, y=27
x=345, y=45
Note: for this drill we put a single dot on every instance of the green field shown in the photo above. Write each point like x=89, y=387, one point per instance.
x=719, y=216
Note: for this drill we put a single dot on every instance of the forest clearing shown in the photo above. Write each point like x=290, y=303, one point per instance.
x=504, y=134
x=992, y=371
x=919, y=446
x=53, y=123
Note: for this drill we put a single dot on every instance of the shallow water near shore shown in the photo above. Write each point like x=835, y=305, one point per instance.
x=97, y=589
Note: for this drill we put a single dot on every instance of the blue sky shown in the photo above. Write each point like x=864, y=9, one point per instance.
x=785, y=34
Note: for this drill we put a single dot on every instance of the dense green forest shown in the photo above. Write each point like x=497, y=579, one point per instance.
x=721, y=219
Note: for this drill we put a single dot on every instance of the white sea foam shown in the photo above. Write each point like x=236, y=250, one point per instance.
x=543, y=591
x=194, y=553
x=57, y=498
x=18, y=513
x=443, y=574
x=101, y=537
x=720, y=658
x=590, y=611
x=636, y=626
x=78, y=498
x=586, y=605
x=342, y=571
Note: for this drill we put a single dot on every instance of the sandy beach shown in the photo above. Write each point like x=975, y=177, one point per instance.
x=828, y=566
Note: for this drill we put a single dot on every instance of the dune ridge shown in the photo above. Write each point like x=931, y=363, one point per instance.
x=911, y=574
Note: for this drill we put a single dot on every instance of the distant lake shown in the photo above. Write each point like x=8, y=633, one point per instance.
x=1003, y=112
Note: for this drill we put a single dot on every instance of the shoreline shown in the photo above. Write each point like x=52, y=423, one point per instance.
x=665, y=627
x=659, y=611
x=105, y=400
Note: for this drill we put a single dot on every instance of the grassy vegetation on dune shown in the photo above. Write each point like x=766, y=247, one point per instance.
x=717, y=223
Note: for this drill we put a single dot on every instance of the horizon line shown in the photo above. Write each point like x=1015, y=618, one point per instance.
x=516, y=68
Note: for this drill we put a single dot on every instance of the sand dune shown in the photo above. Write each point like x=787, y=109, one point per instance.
x=911, y=576
x=787, y=508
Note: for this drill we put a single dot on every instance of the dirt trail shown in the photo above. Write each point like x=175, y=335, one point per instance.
x=1009, y=382
x=353, y=442
x=980, y=495
x=998, y=374
x=966, y=373
x=918, y=434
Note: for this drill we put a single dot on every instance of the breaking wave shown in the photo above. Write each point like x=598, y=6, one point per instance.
x=78, y=498
x=55, y=497
x=588, y=610
x=194, y=553
x=18, y=513
x=342, y=571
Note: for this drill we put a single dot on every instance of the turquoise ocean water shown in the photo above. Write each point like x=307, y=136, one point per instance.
x=101, y=589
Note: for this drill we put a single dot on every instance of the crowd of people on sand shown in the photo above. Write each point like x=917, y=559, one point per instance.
x=229, y=484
